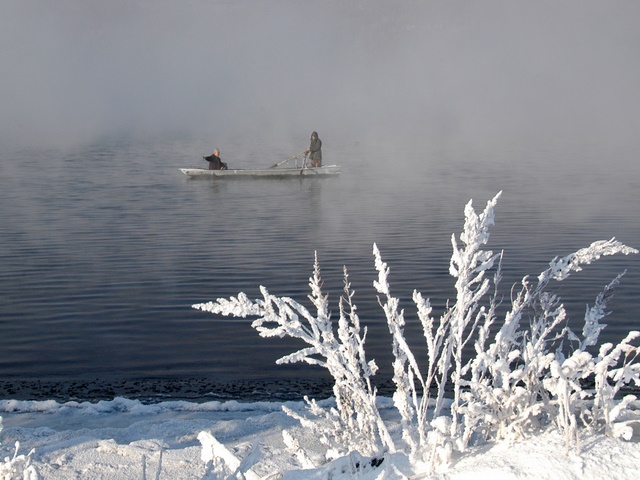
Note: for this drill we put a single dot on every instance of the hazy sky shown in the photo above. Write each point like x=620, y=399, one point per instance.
x=472, y=71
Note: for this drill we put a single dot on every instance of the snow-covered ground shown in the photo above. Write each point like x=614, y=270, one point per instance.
x=126, y=439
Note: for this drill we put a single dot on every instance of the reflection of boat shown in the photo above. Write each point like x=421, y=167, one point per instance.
x=324, y=171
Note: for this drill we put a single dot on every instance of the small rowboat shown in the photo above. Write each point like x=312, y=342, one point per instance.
x=324, y=171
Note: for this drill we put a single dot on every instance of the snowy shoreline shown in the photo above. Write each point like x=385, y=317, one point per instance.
x=123, y=439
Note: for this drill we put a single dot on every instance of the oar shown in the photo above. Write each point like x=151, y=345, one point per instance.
x=304, y=164
x=288, y=159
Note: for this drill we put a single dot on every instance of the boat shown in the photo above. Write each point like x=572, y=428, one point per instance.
x=274, y=171
x=324, y=171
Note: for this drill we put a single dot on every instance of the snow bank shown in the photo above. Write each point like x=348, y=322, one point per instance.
x=126, y=439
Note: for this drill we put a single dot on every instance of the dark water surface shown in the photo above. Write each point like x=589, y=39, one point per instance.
x=104, y=249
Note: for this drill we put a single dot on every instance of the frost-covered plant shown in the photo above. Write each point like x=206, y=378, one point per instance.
x=221, y=463
x=356, y=421
x=445, y=343
x=529, y=368
x=520, y=378
x=18, y=467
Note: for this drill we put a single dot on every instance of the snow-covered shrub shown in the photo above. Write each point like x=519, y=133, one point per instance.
x=523, y=377
x=356, y=422
x=222, y=464
x=445, y=342
x=18, y=466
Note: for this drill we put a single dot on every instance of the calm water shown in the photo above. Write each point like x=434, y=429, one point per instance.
x=103, y=249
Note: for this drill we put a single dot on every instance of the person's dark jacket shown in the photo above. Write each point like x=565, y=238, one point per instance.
x=315, y=150
x=215, y=163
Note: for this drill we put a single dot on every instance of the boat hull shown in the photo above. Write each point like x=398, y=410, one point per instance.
x=325, y=171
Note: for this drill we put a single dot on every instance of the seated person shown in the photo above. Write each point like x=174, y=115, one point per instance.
x=214, y=161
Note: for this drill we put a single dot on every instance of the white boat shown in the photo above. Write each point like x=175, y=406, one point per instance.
x=324, y=171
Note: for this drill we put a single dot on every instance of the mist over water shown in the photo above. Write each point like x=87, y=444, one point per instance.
x=424, y=104
x=456, y=74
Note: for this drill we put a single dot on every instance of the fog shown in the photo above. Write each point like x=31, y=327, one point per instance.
x=447, y=73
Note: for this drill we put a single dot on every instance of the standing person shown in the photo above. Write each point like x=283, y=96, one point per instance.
x=214, y=161
x=315, y=149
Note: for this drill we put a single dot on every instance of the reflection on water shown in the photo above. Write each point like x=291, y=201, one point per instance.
x=104, y=249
